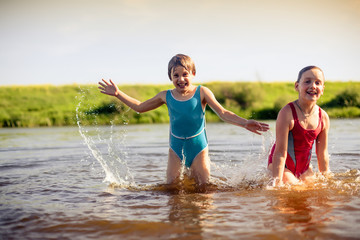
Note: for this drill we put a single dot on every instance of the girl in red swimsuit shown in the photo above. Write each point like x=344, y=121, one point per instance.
x=299, y=125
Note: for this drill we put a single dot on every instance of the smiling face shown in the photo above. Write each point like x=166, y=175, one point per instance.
x=182, y=78
x=311, y=85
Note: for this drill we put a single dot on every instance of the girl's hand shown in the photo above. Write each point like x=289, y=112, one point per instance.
x=275, y=182
x=108, y=88
x=255, y=126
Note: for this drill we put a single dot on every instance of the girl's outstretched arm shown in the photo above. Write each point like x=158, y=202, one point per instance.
x=230, y=117
x=322, y=146
x=112, y=90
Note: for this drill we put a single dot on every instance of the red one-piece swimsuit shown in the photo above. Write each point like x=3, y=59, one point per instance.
x=300, y=144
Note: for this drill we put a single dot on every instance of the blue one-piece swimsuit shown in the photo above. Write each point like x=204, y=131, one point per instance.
x=187, y=126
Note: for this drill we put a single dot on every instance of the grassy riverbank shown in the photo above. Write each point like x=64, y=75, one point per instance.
x=33, y=106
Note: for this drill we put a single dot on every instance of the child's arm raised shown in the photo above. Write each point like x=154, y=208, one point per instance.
x=322, y=146
x=112, y=90
x=230, y=117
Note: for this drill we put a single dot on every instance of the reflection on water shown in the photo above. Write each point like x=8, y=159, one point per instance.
x=189, y=211
x=52, y=186
x=305, y=212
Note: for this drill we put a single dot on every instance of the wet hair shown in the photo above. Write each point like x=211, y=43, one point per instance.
x=183, y=61
x=307, y=69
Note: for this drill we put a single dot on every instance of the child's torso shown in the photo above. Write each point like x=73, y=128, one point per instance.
x=187, y=117
x=300, y=143
x=304, y=137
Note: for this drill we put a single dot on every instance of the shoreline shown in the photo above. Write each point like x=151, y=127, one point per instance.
x=49, y=106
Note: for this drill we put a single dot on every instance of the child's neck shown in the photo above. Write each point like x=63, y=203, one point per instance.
x=307, y=108
x=186, y=91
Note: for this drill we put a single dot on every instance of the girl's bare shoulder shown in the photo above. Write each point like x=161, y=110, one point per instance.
x=325, y=118
x=285, y=117
x=161, y=96
x=285, y=112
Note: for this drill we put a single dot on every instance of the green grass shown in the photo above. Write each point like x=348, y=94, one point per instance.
x=33, y=106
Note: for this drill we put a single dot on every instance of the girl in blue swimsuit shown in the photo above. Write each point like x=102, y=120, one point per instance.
x=186, y=105
x=187, y=131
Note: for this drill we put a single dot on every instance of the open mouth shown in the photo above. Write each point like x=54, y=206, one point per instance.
x=312, y=93
x=182, y=85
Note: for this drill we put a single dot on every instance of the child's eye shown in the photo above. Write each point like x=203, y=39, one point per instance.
x=176, y=75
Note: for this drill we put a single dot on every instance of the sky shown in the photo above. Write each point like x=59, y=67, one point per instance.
x=131, y=41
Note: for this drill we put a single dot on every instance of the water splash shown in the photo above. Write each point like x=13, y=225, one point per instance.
x=347, y=182
x=340, y=183
x=250, y=171
x=106, y=145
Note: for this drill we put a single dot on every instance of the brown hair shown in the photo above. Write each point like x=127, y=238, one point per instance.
x=307, y=69
x=183, y=61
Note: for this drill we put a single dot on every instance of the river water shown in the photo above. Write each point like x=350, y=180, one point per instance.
x=107, y=182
